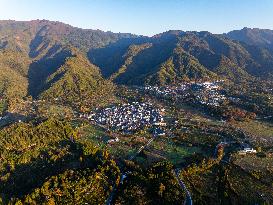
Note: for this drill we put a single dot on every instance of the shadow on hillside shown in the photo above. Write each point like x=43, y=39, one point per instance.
x=40, y=70
x=11, y=118
x=39, y=43
x=31, y=175
x=109, y=58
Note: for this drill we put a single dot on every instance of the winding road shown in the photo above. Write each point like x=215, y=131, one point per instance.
x=188, y=200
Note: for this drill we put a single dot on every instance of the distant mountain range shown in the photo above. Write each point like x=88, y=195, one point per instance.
x=255, y=37
x=176, y=55
x=49, y=59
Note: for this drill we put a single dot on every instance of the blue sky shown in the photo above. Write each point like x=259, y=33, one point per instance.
x=146, y=17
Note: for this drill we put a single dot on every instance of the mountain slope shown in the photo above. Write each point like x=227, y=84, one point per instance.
x=77, y=83
x=28, y=35
x=218, y=54
x=175, y=55
x=40, y=69
x=12, y=85
x=37, y=50
x=128, y=57
x=255, y=36
x=33, y=52
x=13, y=74
x=179, y=67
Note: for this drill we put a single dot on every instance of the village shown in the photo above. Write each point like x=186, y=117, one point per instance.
x=129, y=117
x=205, y=93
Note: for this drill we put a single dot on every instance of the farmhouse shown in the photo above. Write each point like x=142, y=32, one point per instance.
x=248, y=151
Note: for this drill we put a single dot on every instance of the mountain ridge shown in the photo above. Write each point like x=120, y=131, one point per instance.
x=39, y=48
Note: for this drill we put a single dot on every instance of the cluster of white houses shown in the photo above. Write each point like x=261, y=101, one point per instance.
x=129, y=117
x=205, y=93
x=209, y=93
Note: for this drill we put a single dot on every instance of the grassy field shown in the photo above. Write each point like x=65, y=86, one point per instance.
x=257, y=127
x=93, y=133
x=163, y=149
x=123, y=149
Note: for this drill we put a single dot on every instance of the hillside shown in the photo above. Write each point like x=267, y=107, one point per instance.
x=43, y=159
x=31, y=53
x=36, y=50
x=93, y=117
x=77, y=83
x=175, y=55
x=255, y=36
x=13, y=74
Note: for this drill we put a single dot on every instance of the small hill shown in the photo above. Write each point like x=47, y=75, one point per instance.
x=77, y=83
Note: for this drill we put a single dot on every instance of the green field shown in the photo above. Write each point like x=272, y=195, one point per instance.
x=93, y=133
x=164, y=149
x=126, y=146
x=177, y=154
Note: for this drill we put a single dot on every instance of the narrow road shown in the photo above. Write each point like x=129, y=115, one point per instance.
x=263, y=118
x=141, y=149
x=110, y=198
x=188, y=200
x=122, y=175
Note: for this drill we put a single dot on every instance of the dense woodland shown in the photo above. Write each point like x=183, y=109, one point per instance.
x=40, y=163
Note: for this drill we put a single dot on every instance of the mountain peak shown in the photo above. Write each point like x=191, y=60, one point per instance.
x=253, y=36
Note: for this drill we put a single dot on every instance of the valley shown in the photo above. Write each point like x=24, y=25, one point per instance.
x=93, y=117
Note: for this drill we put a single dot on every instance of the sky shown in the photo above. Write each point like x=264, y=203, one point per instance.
x=146, y=17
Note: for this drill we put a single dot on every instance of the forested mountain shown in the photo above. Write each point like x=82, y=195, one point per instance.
x=74, y=128
x=78, y=83
x=36, y=52
x=255, y=36
x=33, y=36
x=175, y=55
x=34, y=56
